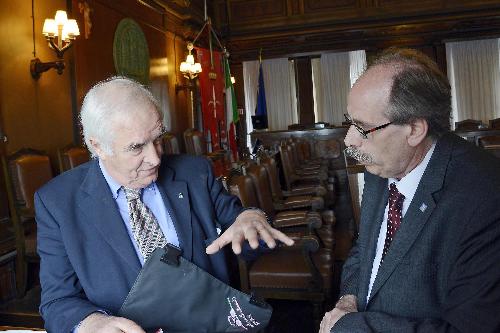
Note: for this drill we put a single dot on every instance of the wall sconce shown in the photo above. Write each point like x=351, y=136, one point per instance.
x=60, y=34
x=189, y=68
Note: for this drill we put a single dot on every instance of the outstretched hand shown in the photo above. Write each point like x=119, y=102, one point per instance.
x=250, y=225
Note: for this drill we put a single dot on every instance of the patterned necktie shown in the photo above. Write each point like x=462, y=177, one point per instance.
x=145, y=227
x=394, y=216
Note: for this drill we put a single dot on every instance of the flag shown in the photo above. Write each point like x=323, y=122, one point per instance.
x=211, y=96
x=232, y=116
x=261, y=99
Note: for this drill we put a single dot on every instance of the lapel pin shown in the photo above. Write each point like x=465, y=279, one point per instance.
x=423, y=207
x=181, y=196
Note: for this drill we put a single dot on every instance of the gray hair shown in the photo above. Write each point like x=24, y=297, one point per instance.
x=106, y=100
x=419, y=90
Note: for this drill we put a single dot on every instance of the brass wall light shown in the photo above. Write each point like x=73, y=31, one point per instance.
x=60, y=34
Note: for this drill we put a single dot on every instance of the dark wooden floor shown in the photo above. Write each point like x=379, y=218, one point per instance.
x=288, y=316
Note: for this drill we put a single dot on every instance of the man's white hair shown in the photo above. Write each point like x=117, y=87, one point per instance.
x=116, y=96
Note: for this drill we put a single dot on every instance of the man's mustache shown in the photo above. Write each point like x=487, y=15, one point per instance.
x=358, y=155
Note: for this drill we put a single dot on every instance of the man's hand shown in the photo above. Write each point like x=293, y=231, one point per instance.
x=99, y=322
x=250, y=225
x=345, y=305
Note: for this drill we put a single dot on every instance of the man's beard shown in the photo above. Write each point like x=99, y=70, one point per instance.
x=358, y=155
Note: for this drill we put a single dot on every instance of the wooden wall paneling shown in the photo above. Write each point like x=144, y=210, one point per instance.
x=31, y=109
x=305, y=99
x=249, y=10
x=167, y=49
x=315, y=6
x=373, y=24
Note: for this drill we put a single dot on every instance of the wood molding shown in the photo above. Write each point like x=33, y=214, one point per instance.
x=294, y=27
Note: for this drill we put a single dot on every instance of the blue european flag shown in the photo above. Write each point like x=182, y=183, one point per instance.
x=261, y=110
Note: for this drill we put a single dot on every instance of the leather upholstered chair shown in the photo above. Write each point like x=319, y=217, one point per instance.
x=71, y=156
x=283, y=200
x=25, y=171
x=303, y=271
x=292, y=178
x=316, y=223
x=170, y=144
x=196, y=144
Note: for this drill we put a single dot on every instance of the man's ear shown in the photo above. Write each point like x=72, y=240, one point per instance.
x=97, y=148
x=419, y=129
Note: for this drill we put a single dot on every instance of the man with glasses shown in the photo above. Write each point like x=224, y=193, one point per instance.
x=427, y=258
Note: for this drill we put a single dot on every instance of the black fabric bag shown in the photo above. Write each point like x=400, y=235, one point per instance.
x=177, y=296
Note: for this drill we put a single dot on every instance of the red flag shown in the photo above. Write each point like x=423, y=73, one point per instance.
x=212, y=98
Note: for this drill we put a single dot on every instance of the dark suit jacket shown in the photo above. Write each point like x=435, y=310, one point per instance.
x=88, y=262
x=442, y=271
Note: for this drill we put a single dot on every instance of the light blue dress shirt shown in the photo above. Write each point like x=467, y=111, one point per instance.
x=152, y=198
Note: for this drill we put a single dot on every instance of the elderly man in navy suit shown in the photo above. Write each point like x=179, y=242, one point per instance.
x=427, y=258
x=91, y=244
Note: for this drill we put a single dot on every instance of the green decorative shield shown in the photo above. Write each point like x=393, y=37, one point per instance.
x=130, y=51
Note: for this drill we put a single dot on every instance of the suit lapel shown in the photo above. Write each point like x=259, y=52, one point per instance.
x=98, y=205
x=419, y=211
x=176, y=197
x=371, y=217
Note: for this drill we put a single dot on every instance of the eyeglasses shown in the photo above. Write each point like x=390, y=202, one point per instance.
x=364, y=133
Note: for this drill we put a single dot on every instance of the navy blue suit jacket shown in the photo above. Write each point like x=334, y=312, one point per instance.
x=442, y=270
x=88, y=262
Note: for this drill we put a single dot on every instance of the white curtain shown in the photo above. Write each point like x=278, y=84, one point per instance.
x=317, y=87
x=335, y=78
x=474, y=74
x=357, y=64
x=250, y=84
x=280, y=93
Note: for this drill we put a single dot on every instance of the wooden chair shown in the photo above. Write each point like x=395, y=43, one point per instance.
x=71, y=156
x=495, y=123
x=283, y=200
x=300, y=220
x=301, y=272
x=468, y=125
x=25, y=172
x=170, y=144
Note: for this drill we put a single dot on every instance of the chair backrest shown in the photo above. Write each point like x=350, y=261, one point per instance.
x=495, y=123
x=272, y=171
x=326, y=147
x=72, y=156
x=195, y=142
x=468, y=124
x=262, y=187
x=287, y=166
x=242, y=187
x=29, y=169
x=170, y=144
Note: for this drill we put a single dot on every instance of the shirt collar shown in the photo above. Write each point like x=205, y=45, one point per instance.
x=114, y=186
x=409, y=183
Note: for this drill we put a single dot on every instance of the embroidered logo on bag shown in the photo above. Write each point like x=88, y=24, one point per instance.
x=237, y=318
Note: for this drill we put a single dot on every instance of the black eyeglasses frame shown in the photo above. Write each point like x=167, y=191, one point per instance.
x=364, y=133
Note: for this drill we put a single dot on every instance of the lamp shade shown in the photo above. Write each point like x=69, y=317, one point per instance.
x=70, y=30
x=61, y=17
x=49, y=28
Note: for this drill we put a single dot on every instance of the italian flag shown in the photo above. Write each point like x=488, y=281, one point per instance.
x=232, y=116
